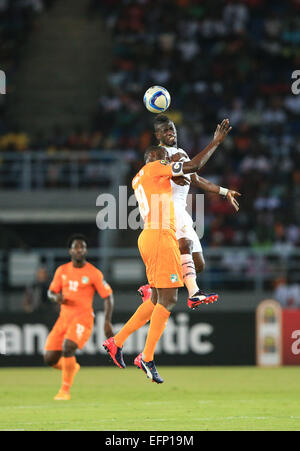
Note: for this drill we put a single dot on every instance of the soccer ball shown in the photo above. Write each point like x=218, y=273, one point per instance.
x=157, y=99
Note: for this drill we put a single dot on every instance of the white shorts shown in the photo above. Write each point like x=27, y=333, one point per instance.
x=185, y=229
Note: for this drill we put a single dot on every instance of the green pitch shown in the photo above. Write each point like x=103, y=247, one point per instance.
x=207, y=398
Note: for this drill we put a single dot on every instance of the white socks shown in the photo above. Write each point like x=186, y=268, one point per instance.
x=189, y=274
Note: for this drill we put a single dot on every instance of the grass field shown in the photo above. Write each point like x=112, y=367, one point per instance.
x=191, y=399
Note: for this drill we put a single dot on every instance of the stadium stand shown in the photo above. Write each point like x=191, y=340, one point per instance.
x=18, y=19
x=232, y=61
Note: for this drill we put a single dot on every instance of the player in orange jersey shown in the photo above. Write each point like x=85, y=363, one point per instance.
x=192, y=259
x=73, y=287
x=159, y=248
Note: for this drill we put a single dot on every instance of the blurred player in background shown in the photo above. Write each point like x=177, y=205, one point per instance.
x=73, y=287
x=192, y=259
x=159, y=249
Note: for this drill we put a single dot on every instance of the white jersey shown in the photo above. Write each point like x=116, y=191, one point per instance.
x=184, y=222
x=180, y=193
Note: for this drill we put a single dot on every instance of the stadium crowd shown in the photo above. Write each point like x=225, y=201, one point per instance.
x=234, y=59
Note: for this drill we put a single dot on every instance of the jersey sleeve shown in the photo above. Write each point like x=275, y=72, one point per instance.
x=184, y=157
x=56, y=284
x=102, y=287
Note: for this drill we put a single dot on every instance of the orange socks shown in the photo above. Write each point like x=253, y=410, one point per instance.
x=138, y=319
x=69, y=369
x=158, y=324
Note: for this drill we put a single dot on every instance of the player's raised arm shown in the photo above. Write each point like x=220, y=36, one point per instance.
x=201, y=159
x=204, y=184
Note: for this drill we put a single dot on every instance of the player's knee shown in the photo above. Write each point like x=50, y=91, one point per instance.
x=69, y=348
x=48, y=361
x=185, y=246
x=51, y=359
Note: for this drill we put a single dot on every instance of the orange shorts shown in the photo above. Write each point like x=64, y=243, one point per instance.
x=77, y=328
x=160, y=252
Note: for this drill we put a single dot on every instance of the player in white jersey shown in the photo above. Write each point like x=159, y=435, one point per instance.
x=189, y=244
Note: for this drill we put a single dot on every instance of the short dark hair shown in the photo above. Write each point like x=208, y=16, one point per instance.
x=160, y=120
x=149, y=150
x=74, y=237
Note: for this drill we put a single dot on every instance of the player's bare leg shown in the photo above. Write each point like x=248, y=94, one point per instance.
x=52, y=358
x=199, y=262
x=69, y=369
x=154, y=296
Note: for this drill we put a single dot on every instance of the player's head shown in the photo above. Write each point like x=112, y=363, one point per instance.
x=77, y=245
x=154, y=153
x=165, y=130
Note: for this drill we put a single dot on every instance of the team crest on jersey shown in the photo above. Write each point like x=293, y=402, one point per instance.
x=164, y=162
x=174, y=278
x=85, y=279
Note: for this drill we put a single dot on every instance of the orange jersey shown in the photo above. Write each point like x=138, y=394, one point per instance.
x=78, y=286
x=153, y=190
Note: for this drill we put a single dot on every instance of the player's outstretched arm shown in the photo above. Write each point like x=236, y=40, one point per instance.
x=209, y=187
x=108, y=310
x=201, y=159
x=204, y=184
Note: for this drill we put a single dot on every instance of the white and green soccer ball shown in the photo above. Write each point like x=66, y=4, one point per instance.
x=157, y=99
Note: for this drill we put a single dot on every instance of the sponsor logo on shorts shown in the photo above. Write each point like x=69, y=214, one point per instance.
x=174, y=278
x=79, y=330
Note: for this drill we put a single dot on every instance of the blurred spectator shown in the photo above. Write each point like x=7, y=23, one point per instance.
x=287, y=293
x=35, y=298
x=17, y=22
